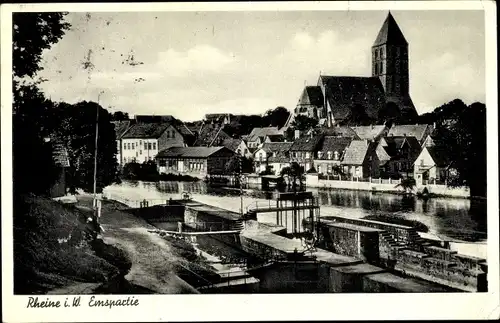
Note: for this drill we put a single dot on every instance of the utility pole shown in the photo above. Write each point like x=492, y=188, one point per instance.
x=95, y=151
x=95, y=160
x=241, y=182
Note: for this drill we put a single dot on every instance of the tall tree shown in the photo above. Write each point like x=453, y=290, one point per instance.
x=32, y=156
x=77, y=130
x=276, y=117
x=461, y=133
x=304, y=123
x=120, y=116
x=34, y=32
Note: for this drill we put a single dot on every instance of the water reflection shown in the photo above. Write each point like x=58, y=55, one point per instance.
x=446, y=217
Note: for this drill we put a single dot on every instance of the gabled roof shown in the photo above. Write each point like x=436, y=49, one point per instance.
x=343, y=92
x=356, y=152
x=394, y=143
x=368, y=132
x=211, y=135
x=390, y=33
x=263, y=132
x=189, y=152
x=346, y=132
x=146, y=130
x=120, y=127
x=232, y=144
x=439, y=156
x=311, y=95
x=413, y=130
x=306, y=143
x=331, y=143
x=276, y=138
x=277, y=147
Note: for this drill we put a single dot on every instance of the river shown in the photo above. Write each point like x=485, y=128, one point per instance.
x=462, y=221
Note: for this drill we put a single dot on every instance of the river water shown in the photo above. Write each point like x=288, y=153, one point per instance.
x=462, y=221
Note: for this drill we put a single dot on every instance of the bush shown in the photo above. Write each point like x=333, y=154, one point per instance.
x=177, y=178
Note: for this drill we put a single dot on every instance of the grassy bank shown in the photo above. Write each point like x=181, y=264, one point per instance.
x=53, y=248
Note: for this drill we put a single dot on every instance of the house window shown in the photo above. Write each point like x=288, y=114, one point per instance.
x=154, y=145
x=168, y=134
x=319, y=169
x=329, y=154
x=173, y=134
x=382, y=52
x=162, y=163
x=320, y=153
x=307, y=155
x=421, y=162
x=133, y=146
x=140, y=152
x=149, y=146
x=381, y=67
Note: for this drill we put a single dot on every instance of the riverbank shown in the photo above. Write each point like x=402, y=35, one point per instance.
x=154, y=260
x=387, y=186
x=54, y=251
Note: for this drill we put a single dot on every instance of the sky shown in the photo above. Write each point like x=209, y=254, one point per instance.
x=187, y=64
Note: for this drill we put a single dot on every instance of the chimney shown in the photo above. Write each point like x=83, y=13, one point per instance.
x=297, y=134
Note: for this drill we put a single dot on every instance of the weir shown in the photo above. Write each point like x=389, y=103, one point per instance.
x=293, y=265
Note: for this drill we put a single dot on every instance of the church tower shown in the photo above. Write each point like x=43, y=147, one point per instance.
x=390, y=63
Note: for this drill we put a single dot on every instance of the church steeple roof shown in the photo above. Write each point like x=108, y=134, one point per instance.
x=390, y=33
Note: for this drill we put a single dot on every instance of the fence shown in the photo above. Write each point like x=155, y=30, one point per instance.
x=359, y=179
x=135, y=203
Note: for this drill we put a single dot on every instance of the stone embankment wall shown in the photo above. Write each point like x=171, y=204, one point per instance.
x=401, y=250
x=384, y=185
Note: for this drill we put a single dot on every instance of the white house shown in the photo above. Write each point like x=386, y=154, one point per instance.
x=120, y=128
x=274, y=155
x=142, y=141
x=432, y=166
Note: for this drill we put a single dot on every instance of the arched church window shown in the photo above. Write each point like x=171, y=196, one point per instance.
x=381, y=67
x=382, y=52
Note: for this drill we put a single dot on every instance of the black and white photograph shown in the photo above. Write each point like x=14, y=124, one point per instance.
x=309, y=150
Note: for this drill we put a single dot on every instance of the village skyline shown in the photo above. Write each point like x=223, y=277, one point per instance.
x=237, y=72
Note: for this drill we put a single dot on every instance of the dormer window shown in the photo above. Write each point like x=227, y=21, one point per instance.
x=329, y=154
x=274, y=154
x=320, y=154
x=336, y=155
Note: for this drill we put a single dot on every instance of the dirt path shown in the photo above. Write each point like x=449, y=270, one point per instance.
x=151, y=256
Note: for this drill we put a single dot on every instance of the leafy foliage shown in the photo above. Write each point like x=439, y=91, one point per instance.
x=295, y=173
x=357, y=117
x=461, y=134
x=120, y=116
x=146, y=171
x=303, y=123
x=75, y=126
x=407, y=184
x=233, y=166
x=276, y=117
x=33, y=33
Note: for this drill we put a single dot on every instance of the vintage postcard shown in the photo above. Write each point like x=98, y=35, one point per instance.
x=249, y=161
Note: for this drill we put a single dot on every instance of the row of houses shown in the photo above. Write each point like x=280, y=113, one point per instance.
x=360, y=152
x=339, y=152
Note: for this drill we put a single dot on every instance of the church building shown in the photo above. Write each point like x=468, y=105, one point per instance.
x=333, y=99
